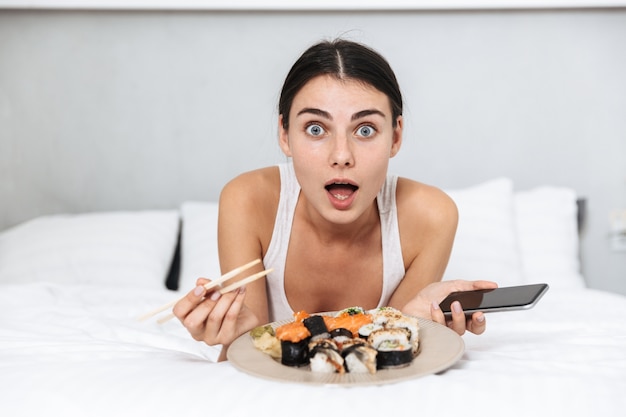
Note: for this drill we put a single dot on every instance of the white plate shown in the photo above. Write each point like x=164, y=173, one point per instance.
x=440, y=348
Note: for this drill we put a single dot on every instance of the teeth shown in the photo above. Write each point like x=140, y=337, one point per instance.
x=340, y=196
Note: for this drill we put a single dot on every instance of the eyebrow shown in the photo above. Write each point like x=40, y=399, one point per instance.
x=369, y=112
x=326, y=115
x=317, y=112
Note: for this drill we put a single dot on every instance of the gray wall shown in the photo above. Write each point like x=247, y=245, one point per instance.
x=127, y=110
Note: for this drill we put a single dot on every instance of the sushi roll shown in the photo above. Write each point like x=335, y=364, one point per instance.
x=294, y=339
x=350, y=319
x=341, y=335
x=359, y=357
x=324, y=357
x=393, y=347
x=351, y=311
x=383, y=314
x=376, y=338
x=367, y=329
x=411, y=325
x=294, y=354
x=315, y=325
x=393, y=354
x=320, y=336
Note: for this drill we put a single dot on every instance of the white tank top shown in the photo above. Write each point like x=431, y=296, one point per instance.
x=276, y=256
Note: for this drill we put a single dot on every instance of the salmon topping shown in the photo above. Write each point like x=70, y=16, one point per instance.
x=292, y=332
x=347, y=321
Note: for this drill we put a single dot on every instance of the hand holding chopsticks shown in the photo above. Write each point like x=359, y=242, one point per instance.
x=211, y=285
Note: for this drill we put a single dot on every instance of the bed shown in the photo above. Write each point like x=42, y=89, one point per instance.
x=72, y=287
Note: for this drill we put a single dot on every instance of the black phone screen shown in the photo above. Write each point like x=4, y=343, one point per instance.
x=498, y=299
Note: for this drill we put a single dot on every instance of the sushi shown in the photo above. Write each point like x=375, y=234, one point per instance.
x=411, y=325
x=393, y=347
x=325, y=356
x=359, y=357
x=353, y=340
x=341, y=335
x=294, y=339
x=315, y=325
x=352, y=319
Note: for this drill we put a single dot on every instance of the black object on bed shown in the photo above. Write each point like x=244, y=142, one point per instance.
x=173, y=274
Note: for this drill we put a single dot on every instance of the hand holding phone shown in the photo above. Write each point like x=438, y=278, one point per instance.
x=498, y=299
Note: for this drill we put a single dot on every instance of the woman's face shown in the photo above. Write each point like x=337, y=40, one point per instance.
x=340, y=137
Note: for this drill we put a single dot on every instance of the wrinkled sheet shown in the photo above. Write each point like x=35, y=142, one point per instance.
x=72, y=350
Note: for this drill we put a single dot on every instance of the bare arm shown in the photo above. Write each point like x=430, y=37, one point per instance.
x=220, y=319
x=428, y=219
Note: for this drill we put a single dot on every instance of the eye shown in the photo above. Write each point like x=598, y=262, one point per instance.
x=366, y=131
x=315, y=130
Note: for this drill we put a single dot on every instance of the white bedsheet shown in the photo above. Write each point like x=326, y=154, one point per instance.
x=72, y=350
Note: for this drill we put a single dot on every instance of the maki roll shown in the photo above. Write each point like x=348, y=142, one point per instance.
x=411, y=325
x=394, y=355
x=351, y=319
x=294, y=353
x=359, y=357
x=383, y=314
x=351, y=311
x=393, y=347
x=294, y=340
x=367, y=329
x=341, y=335
x=315, y=325
x=324, y=357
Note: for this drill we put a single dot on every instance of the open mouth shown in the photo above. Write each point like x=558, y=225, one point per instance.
x=341, y=190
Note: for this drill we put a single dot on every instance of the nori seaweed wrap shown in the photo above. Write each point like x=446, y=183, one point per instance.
x=294, y=353
x=315, y=324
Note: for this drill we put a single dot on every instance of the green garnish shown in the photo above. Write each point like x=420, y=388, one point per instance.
x=353, y=310
x=260, y=330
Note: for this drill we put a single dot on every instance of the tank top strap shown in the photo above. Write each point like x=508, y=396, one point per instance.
x=393, y=263
x=276, y=255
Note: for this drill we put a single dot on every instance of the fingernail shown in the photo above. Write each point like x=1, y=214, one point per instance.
x=242, y=289
x=480, y=318
x=435, y=305
x=215, y=295
x=198, y=291
x=456, y=307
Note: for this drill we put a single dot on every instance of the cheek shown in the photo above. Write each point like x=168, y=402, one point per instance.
x=308, y=152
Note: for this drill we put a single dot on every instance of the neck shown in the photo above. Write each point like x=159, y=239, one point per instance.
x=342, y=233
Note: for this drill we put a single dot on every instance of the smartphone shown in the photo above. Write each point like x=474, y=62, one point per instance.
x=498, y=299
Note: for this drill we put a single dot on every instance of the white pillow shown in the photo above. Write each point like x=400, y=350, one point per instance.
x=199, y=257
x=547, y=227
x=111, y=248
x=485, y=246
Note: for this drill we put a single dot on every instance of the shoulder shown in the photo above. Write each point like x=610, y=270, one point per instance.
x=252, y=196
x=263, y=183
x=424, y=211
x=248, y=205
x=418, y=199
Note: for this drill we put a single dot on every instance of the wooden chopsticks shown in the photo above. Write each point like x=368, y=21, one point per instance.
x=211, y=285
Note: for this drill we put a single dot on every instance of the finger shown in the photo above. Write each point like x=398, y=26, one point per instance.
x=484, y=285
x=478, y=323
x=462, y=285
x=196, y=320
x=215, y=322
x=436, y=314
x=458, y=323
x=229, y=325
x=189, y=302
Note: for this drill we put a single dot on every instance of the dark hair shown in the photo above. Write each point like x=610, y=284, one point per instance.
x=344, y=60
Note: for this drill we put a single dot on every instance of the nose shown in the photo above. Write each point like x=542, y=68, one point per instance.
x=341, y=153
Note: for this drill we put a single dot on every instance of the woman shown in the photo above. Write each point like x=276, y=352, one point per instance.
x=338, y=230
